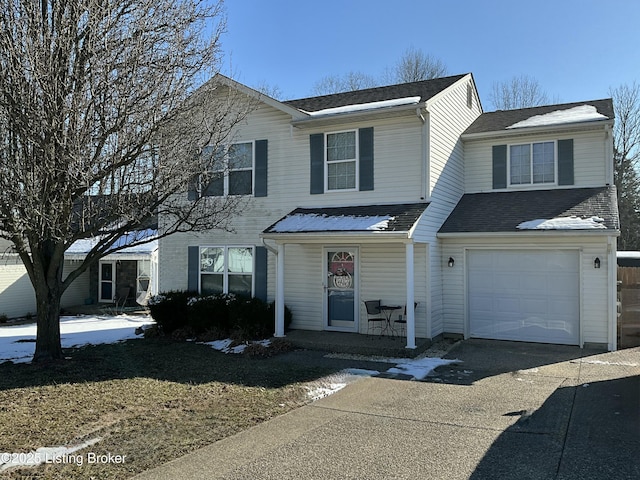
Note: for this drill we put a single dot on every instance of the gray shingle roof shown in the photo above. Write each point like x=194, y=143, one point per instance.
x=425, y=89
x=501, y=119
x=402, y=217
x=504, y=211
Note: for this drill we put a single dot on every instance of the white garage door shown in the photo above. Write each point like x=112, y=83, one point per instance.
x=532, y=296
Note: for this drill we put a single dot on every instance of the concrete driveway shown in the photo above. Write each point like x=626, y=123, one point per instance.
x=507, y=411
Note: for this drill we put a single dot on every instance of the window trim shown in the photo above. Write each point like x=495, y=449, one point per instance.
x=225, y=273
x=356, y=160
x=531, y=183
x=226, y=171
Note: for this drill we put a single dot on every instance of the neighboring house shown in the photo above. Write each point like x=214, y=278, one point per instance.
x=130, y=273
x=410, y=194
x=127, y=276
x=17, y=298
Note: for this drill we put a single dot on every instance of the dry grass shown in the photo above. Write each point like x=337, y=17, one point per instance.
x=149, y=400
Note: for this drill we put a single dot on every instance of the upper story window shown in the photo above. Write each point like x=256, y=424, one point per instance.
x=342, y=160
x=532, y=163
x=232, y=170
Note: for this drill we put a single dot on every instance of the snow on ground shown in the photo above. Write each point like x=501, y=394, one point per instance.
x=17, y=342
x=45, y=455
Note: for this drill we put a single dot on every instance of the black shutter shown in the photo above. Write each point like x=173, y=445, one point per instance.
x=192, y=191
x=193, y=269
x=366, y=158
x=565, y=162
x=316, y=143
x=499, y=166
x=260, y=189
x=260, y=279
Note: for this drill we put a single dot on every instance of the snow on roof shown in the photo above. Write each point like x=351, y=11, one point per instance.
x=564, y=223
x=628, y=254
x=312, y=222
x=366, y=106
x=84, y=246
x=582, y=113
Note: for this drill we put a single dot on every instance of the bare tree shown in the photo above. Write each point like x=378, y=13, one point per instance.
x=519, y=92
x=415, y=65
x=92, y=94
x=346, y=83
x=626, y=139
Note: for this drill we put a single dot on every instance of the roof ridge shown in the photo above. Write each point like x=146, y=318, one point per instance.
x=374, y=89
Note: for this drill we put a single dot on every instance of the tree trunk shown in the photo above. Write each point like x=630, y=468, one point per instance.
x=48, y=344
x=47, y=283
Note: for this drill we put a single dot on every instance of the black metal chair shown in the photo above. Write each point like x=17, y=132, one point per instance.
x=374, y=317
x=402, y=320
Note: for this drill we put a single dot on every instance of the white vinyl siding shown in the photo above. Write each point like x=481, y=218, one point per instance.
x=17, y=297
x=590, y=158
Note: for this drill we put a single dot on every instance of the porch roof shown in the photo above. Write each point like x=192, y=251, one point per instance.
x=567, y=210
x=361, y=219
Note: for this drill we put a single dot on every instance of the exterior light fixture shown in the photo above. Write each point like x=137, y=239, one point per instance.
x=596, y=263
x=451, y=262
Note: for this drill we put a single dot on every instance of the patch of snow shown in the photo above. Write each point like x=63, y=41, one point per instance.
x=421, y=367
x=17, y=342
x=42, y=455
x=563, y=223
x=582, y=113
x=225, y=345
x=333, y=383
x=628, y=254
x=312, y=222
x=365, y=106
x=617, y=364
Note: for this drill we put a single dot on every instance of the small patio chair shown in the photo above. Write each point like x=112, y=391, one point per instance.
x=374, y=317
x=121, y=297
x=402, y=320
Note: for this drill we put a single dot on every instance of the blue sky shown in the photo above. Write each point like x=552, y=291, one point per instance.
x=576, y=49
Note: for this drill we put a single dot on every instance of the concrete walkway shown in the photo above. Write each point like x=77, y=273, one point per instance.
x=507, y=411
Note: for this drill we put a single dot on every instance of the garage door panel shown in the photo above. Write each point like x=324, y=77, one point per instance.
x=524, y=295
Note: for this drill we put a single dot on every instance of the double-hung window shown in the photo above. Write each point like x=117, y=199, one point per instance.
x=231, y=171
x=226, y=270
x=342, y=160
x=532, y=163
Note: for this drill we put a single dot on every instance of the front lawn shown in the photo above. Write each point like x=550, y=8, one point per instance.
x=147, y=401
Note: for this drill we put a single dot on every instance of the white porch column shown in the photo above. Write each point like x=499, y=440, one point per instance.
x=411, y=318
x=280, y=292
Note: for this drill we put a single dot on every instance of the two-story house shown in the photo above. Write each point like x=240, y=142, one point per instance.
x=408, y=194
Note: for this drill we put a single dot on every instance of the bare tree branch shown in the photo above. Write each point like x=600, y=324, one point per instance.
x=103, y=115
x=519, y=92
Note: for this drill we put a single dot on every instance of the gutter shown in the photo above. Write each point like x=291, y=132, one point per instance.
x=556, y=129
x=533, y=233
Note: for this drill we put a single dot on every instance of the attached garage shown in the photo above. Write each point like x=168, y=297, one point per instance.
x=526, y=295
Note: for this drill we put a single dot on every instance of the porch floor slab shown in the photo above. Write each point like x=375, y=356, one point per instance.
x=357, y=344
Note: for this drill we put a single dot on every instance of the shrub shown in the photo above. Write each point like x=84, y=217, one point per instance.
x=251, y=319
x=4, y=318
x=169, y=310
x=210, y=312
x=181, y=314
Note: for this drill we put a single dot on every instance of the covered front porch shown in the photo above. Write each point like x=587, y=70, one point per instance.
x=328, y=262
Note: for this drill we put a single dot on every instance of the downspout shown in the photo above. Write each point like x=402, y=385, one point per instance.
x=613, y=294
x=423, y=115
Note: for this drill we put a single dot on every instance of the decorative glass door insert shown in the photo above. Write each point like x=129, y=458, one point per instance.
x=341, y=289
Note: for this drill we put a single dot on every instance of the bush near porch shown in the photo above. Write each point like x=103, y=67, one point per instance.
x=211, y=317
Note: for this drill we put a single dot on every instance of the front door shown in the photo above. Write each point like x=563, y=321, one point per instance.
x=341, y=289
